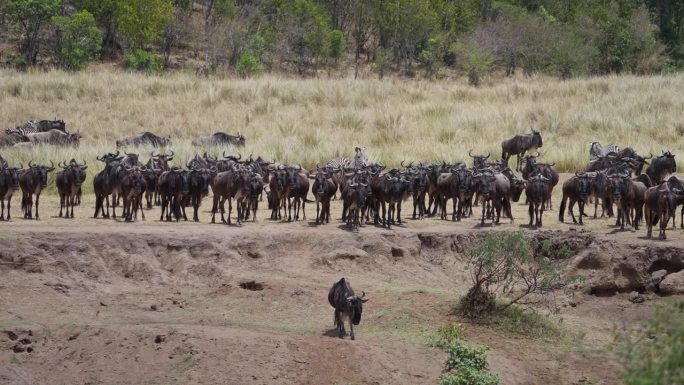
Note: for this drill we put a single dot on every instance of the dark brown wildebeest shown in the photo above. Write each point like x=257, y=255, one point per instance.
x=479, y=160
x=145, y=138
x=494, y=189
x=628, y=195
x=295, y=192
x=225, y=185
x=661, y=204
x=388, y=192
x=323, y=189
x=355, y=199
x=33, y=181
x=537, y=192
x=250, y=197
x=132, y=188
x=420, y=183
x=276, y=195
x=577, y=190
x=173, y=185
x=638, y=160
x=348, y=306
x=456, y=185
x=161, y=161
x=518, y=145
x=9, y=183
x=533, y=167
x=55, y=137
x=103, y=183
x=152, y=180
x=661, y=166
x=219, y=138
x=68, y=182
x=198, y=188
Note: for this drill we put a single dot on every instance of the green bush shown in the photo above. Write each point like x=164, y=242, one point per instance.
x=248, y=65
x=79, y=40
x=31, y=16
x=467, y=365
x=654, y=354
x=140, y=60
x=337, y=44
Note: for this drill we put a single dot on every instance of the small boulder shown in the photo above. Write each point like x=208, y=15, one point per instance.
x=673, y=284
x=635, y=297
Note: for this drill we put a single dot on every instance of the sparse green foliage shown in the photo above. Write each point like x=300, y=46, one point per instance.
x=477, y=63
x=31, y=16
x=654, y=354
x=248, y=65
x=140, y=60
x=337, y=44
x=79, y=40
x=467, y=365
x=501, y=263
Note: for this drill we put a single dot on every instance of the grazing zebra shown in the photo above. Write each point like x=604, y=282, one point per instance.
x=596, y=150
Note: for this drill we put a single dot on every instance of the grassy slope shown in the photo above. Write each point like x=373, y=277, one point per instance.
x=310, y=121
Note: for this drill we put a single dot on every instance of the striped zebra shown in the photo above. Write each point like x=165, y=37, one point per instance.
x=360, y=161
x=596, y=150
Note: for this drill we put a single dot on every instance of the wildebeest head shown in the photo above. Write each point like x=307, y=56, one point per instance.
x=131, y=159
x=12, y=175
x=536, y=138
x=199, y=180
x=293, y=176
x=486, y=183
x=41, y=172
x=162, y=160
x=585, y=183
x=106, y=158
x=464, y=176
x=356, y=303
x=478, y=160
x=77, y=171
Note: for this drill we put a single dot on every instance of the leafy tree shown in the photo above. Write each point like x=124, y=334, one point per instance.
x=248, y=65
x=104, y=12
x=337, y=44
x=304, y=28
x=79, y=40
x=142, y=22
x=140, y=60
x=31, y=16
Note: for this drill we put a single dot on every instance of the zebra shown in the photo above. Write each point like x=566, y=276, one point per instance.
x=35, y=126
x=596, y=150
x=340, y=163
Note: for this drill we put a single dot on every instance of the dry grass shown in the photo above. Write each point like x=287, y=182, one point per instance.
x=310, y=121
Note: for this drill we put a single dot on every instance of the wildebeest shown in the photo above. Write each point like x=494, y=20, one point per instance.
x=198, y=188
x=456, y=185
x=479, y=160
x=104, y=183
x=323, y=189
x=9, y=183
x=388, y=192
x=219, y=138
x=518, y=145
x=661, y=166
x=277, y=186
x=533, y=167
x=173, y=185
x=494, y=189
x=661, y=204
x=628, y=195
x=55, y=137
x=348, y=306
x=144, y=138
x=355, y=200
x=132, y=188
x=295, y=192
x=32, y=181
x=537, y=192
x=577, y=190
x=68, y=182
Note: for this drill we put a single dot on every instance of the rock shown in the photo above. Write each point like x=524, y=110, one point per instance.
x=159, y=338
x=673, y=283
x=153, y=307
x=635, y=297
x=658, y=275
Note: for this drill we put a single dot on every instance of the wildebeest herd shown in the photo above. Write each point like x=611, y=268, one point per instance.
x=614, y=178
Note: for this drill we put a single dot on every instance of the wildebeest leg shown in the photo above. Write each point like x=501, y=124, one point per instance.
x=61, y=205
x=581, y=211
x=2, y=209
x=304, y=208
x=106, y=199
x=142, y=213
x=163, y=207
x=195, y=208
x=37, y=201
x=541, y=215
x=115, y=199
x=571, y=206
x=681, y=218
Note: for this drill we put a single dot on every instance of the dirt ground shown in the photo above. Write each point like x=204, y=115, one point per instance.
x=88, y=301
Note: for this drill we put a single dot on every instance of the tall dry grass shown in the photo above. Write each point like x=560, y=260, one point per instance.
x=310, y=121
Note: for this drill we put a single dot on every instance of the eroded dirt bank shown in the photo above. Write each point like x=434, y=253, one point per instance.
x=121, y=305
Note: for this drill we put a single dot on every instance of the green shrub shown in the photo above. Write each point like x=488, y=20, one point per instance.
x=654, y=354
x=79, y=40
x=140, y=60
x=248, y=65
x=467, y=365
x=337, y=44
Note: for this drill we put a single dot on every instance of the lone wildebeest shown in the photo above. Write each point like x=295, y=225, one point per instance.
x=68, y=183
x=219, y=138
x=348, y=306
x=9, y=183
x=519, y=145
x=143, y=139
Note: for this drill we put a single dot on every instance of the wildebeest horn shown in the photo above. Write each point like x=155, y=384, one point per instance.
x=649, y=157
x=30, y=164
x=84, y=163
x=172, y=153
x=470, y=153
x=127, y=154
x=239, y=156
x=488, y=155
x=117, y=153
x=402, y=164
x=99, y=158
x=52, y=165
x=60, y=164
x=154, y=156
